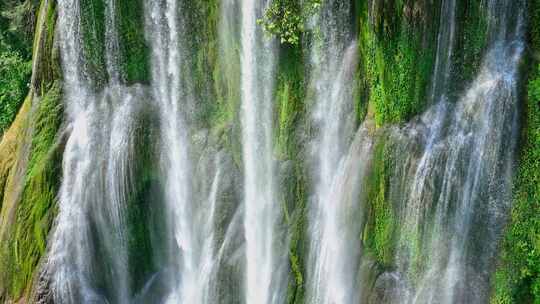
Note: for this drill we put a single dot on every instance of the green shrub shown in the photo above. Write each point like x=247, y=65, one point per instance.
x=285, y=19
x=14, y=85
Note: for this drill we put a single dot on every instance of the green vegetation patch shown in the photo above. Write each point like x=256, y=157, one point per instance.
x=290, y=94
x=93, y=36
x=135, y=53
x=471, y=41
x=517, y=279
x=285, y=19
x=397, y=56
x=14, y=85
x=37, y=208
x=379, y=232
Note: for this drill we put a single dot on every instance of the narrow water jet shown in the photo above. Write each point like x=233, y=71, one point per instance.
x=262, y=209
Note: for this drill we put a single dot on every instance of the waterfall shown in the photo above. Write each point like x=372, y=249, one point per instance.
x=89, y=248
x=262, y=210
x=445, y=47
x=458, y=186
x=91, y=202
x=90, y=251
x=216, y=231
x=167, y=53
x=191, y=240
x=334, y=244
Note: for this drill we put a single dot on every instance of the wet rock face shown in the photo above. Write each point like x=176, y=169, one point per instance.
x=388, y=288
x=43, y=293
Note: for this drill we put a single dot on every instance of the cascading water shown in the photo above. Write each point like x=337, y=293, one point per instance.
x=163, y=32
x=445, y=47
x=458, y=186
x=451, y=182
x=92, y=202
x=334, y=251
x=263, y=282
x=90, y=250
x=191, y=241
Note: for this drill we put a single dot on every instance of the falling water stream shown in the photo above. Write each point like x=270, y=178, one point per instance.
x=92, y=215
x=260, y=200
x=334, y=247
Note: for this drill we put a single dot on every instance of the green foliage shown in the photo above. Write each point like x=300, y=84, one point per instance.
x=396, y=62
x=471, y=40
x=518, y=280
x=135, y=54
x=16, y=23
x=285, y=19
x=14, y=84
x=379, y=232
x=37, y=208
x=290, y=100
x=296, y=219
x=93, y=39
x=17, y=18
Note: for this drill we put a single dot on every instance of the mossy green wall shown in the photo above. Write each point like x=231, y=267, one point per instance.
x=517, y=279
x=398, y=43
x=29, y=209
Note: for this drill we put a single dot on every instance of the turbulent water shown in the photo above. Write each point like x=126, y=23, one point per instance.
x=214, y=231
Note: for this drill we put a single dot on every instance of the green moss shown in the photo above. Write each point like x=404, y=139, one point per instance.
x=471, y=39
x=134, y=52
x=290, y=116
x=37, y=208
x=93, y=38
x=297, y=255
x=290, y=93
x=46, y=63
x=379, y=233
x=397, y=56
x=145, y=194
x=517, y=279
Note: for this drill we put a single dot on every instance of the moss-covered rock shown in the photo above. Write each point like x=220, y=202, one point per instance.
x=134, y=52
x=37, y=207
x=398, y=42
x=32, y=166
x=92, y=27
x=379, y=232
x=517, y=279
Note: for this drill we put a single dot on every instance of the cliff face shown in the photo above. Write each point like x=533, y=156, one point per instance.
x=399, y=48
x=30, y=153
